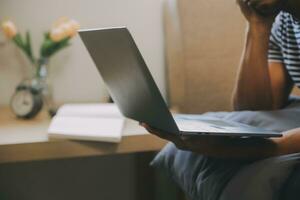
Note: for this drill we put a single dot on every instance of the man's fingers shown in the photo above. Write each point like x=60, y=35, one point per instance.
x=245, y=5
x=176, y=139
x=266, y=7
x=244, y=2
x=167, y=136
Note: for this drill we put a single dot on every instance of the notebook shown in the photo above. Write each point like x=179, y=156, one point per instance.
x=96, y=122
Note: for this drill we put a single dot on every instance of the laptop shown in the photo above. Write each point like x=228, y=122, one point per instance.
x=133, y=89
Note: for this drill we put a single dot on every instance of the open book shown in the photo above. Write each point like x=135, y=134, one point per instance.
x=98, y=122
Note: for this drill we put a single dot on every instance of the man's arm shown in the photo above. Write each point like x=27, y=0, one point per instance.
x=253, y=87
x=281, y=84
x=260, y=85
x=256, y=80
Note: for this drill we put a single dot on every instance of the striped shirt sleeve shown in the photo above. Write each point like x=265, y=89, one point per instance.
x=274, y=53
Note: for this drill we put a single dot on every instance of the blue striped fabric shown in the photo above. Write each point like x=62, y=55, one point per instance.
x=285, y=44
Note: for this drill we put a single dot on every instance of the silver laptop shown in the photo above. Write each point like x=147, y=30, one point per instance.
x=133, y=89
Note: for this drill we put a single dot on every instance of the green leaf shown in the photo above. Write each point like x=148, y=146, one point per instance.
x=49, y=47
x=29, y=47
x=18, y=41
x=25, y=46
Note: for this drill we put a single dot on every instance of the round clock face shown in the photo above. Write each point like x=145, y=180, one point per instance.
x=22, y=102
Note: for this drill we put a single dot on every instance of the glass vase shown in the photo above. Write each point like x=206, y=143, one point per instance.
x=40, y=90
x=42, y=82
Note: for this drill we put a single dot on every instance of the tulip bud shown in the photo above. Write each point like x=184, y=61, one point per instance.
x=9, y=29
x=75, y=25
x=63, y=28
x=57, y=34
x=60, y=21
x=68, y=29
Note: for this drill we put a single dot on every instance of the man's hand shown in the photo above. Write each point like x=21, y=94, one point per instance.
x=220, y=146
x=260, y=11
x=237, y=148
x=190, y=143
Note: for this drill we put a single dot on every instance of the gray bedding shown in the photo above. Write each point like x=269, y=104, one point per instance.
x=205, y=178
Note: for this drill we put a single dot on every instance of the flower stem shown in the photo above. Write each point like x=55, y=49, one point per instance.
x=41, y=65
x=25, y=46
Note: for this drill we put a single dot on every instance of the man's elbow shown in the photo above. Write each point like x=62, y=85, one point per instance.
x=240, y=104
x=237, y=103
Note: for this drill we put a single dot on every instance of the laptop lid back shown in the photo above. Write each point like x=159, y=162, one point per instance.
x=127, y=77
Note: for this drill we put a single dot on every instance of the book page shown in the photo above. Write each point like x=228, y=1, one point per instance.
x=90, y=110
x=99, y=122
x=86, y=128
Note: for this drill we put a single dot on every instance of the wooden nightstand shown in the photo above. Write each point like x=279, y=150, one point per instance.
x=28, y=141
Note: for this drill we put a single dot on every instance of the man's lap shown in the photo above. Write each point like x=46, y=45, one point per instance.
x=205, y=178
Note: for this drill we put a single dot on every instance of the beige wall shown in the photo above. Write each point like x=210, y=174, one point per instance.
x=206, y=40
x=72, y=73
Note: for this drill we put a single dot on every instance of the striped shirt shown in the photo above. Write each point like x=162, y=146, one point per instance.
x=285, y=44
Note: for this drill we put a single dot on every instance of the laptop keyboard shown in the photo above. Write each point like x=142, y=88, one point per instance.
x=189, y=125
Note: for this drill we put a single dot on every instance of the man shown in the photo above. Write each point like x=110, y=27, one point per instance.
x=269, y=69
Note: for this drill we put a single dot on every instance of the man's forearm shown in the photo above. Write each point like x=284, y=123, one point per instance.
x=253, y=88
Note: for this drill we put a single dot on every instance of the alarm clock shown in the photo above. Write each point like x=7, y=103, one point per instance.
x=27, y=101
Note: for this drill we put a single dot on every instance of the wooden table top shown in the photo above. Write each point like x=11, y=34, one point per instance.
x=27, y=140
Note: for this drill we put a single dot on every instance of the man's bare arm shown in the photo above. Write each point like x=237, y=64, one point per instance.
x=253, y=88
x=281, y=84
x=260, y=85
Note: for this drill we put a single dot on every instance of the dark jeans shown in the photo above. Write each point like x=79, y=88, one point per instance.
x=291, y=190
